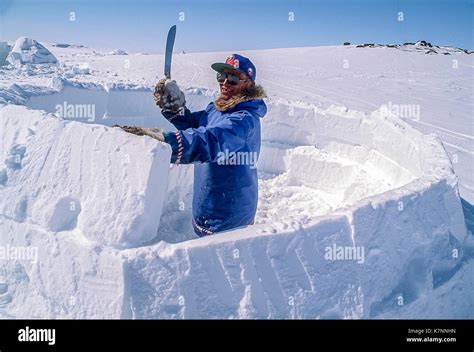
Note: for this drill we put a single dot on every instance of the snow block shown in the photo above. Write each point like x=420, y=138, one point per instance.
x=46, y=276
x=255, y=274
x=63, y=175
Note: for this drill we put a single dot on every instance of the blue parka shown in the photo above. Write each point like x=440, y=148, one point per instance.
x=224, y=147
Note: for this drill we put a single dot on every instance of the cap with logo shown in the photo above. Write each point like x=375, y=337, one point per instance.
x=239, y=63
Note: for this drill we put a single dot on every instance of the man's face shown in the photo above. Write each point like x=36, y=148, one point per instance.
x=228, y=90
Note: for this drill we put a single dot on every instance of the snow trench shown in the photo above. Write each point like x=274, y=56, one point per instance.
x=301, y=176
x=357, y=213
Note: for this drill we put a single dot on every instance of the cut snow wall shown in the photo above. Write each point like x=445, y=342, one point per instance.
x=63, y=175
x=288, y=126
x=406, y=237
x=57, y=275
x=407, y=234
x=116, y=104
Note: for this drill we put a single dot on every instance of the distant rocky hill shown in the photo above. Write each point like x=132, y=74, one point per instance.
x=419, y=46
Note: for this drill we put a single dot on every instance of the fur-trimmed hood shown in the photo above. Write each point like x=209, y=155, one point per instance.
x=257, y=92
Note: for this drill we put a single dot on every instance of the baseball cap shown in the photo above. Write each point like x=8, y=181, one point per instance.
x=239, y=63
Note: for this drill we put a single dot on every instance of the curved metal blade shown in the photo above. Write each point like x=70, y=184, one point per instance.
x=169, y=50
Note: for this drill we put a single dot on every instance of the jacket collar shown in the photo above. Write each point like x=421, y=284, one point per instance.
x=223, y=105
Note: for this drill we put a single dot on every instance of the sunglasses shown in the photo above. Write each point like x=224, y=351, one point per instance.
x=231, y=78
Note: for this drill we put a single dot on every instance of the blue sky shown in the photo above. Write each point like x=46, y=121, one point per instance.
x=222, y=25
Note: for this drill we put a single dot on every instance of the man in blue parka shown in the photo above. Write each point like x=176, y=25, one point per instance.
x=223, y=141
